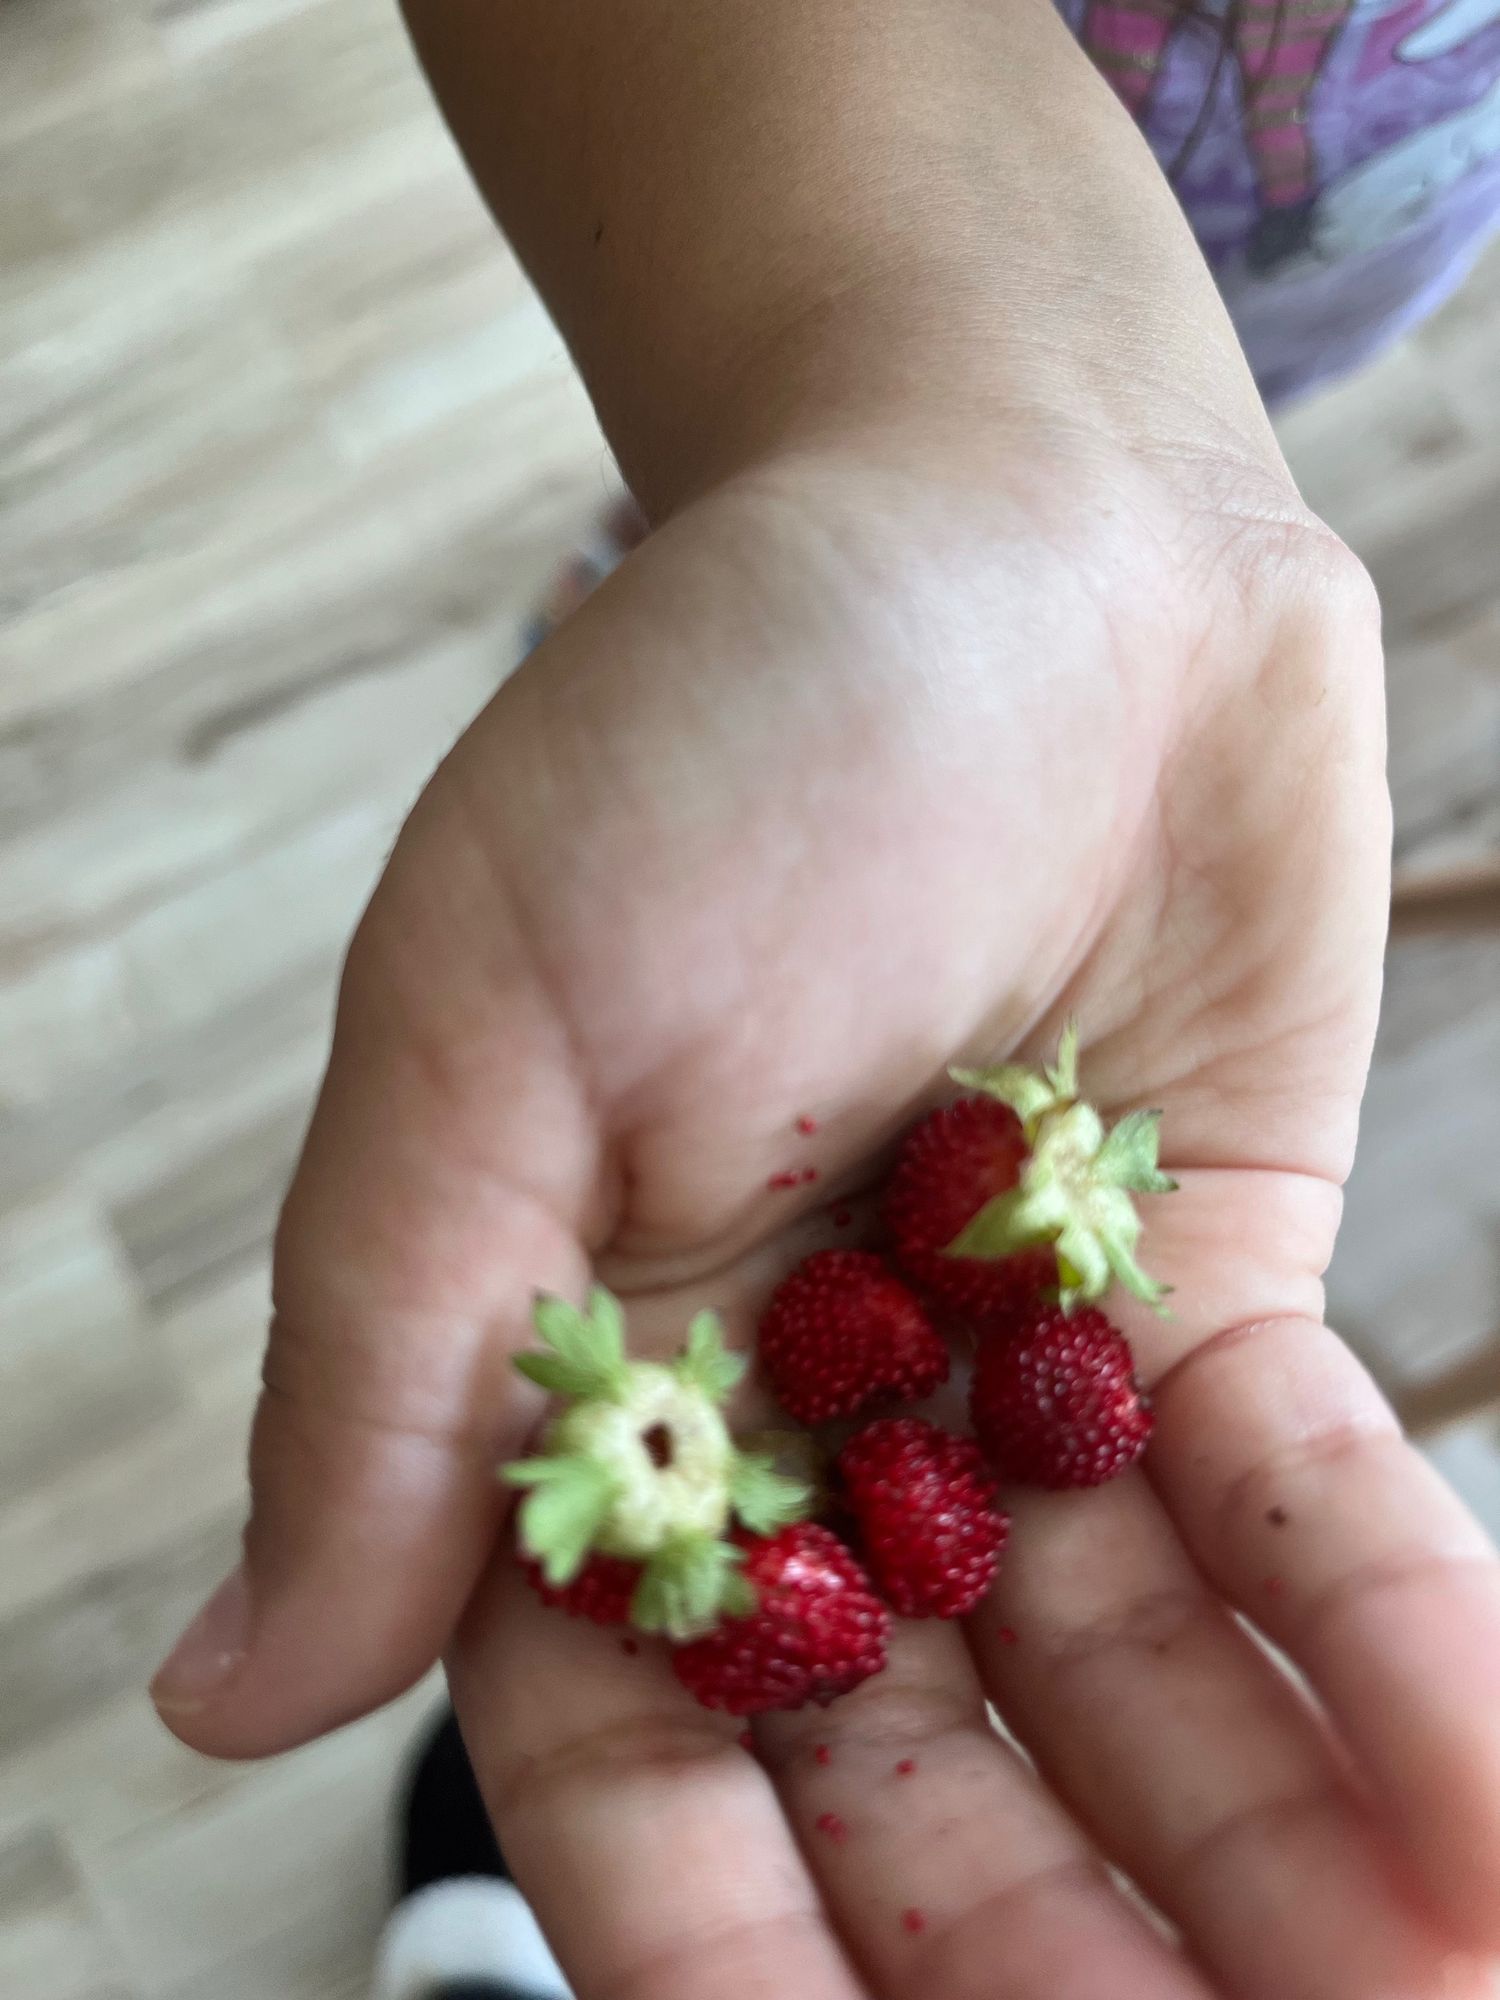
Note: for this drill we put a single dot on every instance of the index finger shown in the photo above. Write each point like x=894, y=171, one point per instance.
x=650, y=1843
x=449, y=1154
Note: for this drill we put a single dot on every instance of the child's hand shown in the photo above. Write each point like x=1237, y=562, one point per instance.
x=849, y=774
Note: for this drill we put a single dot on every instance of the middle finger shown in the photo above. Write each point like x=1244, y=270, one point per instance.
x=940, y=1858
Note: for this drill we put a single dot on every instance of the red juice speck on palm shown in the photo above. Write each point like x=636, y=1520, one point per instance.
x=913, y=1922
x=823, y=1755
x=787, y=1178
x=906, y=1767
x=807, y=1125
x=1007, y=1635
x=833, y=1826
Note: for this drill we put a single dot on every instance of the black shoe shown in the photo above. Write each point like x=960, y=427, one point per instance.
x=445, y=1830
x=462, y=1930
x=1281, y=235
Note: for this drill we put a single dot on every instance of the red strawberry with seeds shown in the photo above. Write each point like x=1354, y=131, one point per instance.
x=601, y=1591
x=818, y=1629
x=1056, y=1401
x=1023, y=1189
x=930, y=1529
x=952, y=1164
x=843, y=1331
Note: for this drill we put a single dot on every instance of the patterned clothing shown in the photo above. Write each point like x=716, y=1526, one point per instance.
x=1339, y=160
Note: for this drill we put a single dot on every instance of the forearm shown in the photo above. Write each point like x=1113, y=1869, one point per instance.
x=754, y=220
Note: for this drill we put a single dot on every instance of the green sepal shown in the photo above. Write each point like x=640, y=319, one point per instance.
x=1127, y=1159
x=588, y=1349
x=1140, y=1284
x=706, y=1363
x=562, y=1514
x=689, y=1586
x=1030, y=1093
x=1009, y=1223
x=739, y=1599
x=764, y=1498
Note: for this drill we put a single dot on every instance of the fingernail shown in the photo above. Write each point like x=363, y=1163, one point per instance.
x=208, y=1651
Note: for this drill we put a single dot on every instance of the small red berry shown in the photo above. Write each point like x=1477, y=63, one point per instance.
x=1057, y=1403
x=833, y=1826
x=601, y=1591
x=843, y=1330
x=930, y=1528
x=953, y=1163
x=818, y=1629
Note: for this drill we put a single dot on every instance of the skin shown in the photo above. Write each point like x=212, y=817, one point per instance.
x=984, y=669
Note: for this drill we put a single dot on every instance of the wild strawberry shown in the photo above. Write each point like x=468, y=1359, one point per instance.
x=640, y=1465
x=951, y=1165
x=817, y=1629
x=1022, y=1190
x=601, y=1591
x=1056, y=1403
x=841, y=1332
x=930, y=1530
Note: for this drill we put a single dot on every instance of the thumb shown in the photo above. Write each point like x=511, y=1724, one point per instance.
x=448, y=1158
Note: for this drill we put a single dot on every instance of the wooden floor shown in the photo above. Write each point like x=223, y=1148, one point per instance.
x=287, y=451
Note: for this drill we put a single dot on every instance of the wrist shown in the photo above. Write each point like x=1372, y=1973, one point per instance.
x=765, y=224
x=905, y=397
x=1061, y=306
x=969, y=367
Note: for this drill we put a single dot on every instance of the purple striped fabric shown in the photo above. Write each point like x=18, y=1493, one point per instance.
x=1339, y=159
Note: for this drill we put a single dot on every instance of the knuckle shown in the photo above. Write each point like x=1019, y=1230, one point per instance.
x=1263, y=1820
x=652, y=1750
x=1154, y=1623
x=1332, y=1448
x=1389, y=1573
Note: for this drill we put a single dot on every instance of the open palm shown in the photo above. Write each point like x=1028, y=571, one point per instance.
x=818, y=795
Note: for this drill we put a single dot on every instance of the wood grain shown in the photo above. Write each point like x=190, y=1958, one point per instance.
x=286, y=452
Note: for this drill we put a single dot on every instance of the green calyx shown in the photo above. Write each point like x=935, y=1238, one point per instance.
x=641, y=1464
x=689, y=1586
x=587, y=1350
x=1075, y=1190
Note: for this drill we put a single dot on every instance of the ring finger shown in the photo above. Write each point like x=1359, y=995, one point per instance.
x=1199, y=1767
